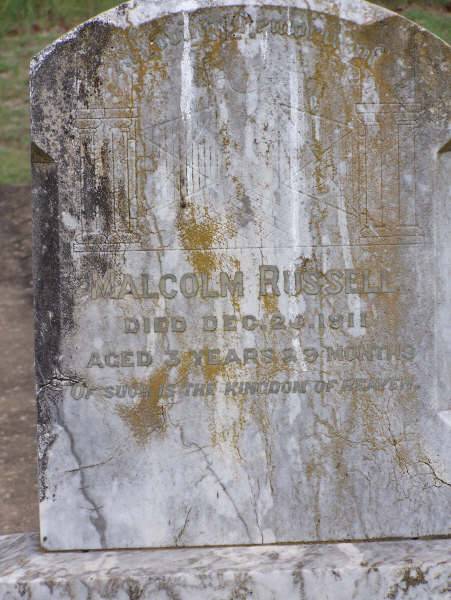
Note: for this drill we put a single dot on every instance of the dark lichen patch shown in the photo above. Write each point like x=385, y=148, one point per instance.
x=97, y=192
x=94, y=43
x=247, y=213
x=46, y=271
x=46, y=440
x=410, y=578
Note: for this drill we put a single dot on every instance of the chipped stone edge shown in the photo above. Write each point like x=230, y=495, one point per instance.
x=139, y=12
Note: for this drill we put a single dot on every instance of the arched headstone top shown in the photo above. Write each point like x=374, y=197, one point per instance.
x=241, y=257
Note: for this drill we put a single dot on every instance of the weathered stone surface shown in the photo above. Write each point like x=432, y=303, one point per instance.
x=242, y=261
x=406, y=570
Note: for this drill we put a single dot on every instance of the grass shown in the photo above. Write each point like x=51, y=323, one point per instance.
x=27, y=26
x=42, y=13
x=14, y=122
x=437, y=22
x=434, y=15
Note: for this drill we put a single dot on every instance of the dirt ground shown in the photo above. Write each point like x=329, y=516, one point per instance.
x=18, y=490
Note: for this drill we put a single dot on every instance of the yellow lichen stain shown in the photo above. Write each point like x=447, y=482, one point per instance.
x=184, y=368
x=278, y=367
x=310, y=469
x=227, y=145
x=214, y=56
x=318, y=216
x=235, y=299
x=211, y=373
x=308, y=262
x=148, y=415
x=204, y=262
x=270, y=303
x=147, y=56
x=369, y=423
x=378, y=63
x=230, y=432
x=226, y=432
x=201, y=235
x=156, y=57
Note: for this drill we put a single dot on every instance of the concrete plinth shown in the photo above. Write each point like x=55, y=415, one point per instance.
x=402, y=570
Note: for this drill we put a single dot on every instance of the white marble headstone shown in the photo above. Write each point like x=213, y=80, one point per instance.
x=242, y=257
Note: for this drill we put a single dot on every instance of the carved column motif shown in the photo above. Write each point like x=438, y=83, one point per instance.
x=387, y=170
x=107, y=171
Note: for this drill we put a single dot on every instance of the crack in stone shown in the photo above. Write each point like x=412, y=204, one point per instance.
x=183, y=529
x=224, y=488
x=97, y=520
x=84, y=468
x=53, y=383
x=254, y=505
x=434, y=473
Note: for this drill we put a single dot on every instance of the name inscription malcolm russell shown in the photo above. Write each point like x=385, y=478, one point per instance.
x=271, y=281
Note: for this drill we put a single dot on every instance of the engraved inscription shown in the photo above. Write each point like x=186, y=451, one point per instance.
x=271, y=281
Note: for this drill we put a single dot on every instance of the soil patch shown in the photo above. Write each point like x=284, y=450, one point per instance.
x=18, y=489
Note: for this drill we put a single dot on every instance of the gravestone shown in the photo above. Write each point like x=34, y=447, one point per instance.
x=242, y=258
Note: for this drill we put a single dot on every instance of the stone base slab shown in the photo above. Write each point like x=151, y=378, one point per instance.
x=402, y=570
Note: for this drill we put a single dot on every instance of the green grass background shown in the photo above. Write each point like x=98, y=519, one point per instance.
x=27, y=26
